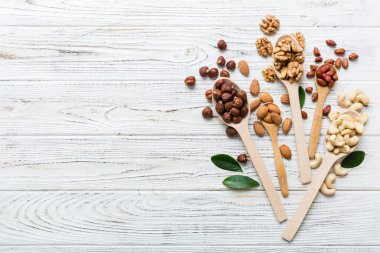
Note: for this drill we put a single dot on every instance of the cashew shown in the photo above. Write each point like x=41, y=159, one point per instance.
x=339, y=170
x=364, y=117
x=334, y=115
x=346, y=124
x=361, y=98
x=329, y=146
x=337, y=141
x=353, y=141
x=333, y=129
x=329, y=181
x=356, y=107
x=359, y=127
x=350, y=132
x=345, y=117
x=317, y=161
x=341, y=99
x=345, y=149
x=353, y=94
x=326, y=191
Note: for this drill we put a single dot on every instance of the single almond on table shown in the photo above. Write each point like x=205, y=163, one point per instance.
x=262, y=112
x=254, y=88
x=286, y=125
x=266, y=97
x=286, y=152
x=285, y=99
x=255, y=104
x=258, y=128
x=243, y=68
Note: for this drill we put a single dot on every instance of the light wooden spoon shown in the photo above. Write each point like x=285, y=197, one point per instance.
x=279, y=163
x=328, y=161
x=258, y=163
x=317, y=120
x=302, y=157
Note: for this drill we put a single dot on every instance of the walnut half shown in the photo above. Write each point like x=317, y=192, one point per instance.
x=269, y=25
x=269, y=74
x=264, y=47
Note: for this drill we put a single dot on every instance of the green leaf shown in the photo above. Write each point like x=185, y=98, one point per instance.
x=238, y=182
x=301, y=95
x=226, y=162
x=354, y=159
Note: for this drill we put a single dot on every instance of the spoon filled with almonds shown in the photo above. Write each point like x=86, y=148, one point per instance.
x=232, y=108
x=270, y=116
x=287, y=61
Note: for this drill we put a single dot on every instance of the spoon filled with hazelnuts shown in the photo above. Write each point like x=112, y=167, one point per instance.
x=231, y=104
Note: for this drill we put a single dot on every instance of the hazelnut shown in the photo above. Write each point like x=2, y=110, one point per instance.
x=221, y=61
x=213, y=72
x=222, y=45
x=242, y=158
x=219, y=107
x=243, y=111
x=304, y=114
x=217, y=94
x=242, y=94
x=235, y=112
x=219, y=83
x=236, y=119
x=227, y=87
x=237, y=102
x=226, y=97
x=309, y=90
x=231, y=65
x=230, y=131
x=190, y=81
x=224, y=73
x=228, y=106
x=227, y=117
x=203, y=71
x=207, y=112
x=208, y=94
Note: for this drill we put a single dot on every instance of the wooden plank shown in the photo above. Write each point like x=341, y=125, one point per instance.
x=179, y=13
x=181, y=218
x=113, y=108
x=145, y=163
x=189, y=249
x=157, y=54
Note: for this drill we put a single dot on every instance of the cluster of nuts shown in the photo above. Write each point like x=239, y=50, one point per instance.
x=269, y=113
x=231, y=103
x=326, y=76
x=264, y=47
x=269, y=74
x=288, y=59
x=269, y=25
x=356, y=100
x=343, y=133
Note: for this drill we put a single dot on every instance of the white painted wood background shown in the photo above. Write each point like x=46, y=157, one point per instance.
x=103, y=149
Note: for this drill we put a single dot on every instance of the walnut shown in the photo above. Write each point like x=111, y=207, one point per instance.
x=294, y=72
x=264, y=47
x=269, y=25
x=300, y=38
x=269, y=74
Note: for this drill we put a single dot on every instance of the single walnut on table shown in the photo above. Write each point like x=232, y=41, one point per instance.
x=269, y=25
x=264, y=47
x=300, y=38
x=269, y=74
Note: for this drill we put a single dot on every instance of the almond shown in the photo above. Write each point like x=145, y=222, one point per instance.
x=268, y=118
x=262, y=112
x=258, y=128
x=285, y=99
x=266, y=97
x=274, y=108
x=276, y=118
x=255, y=104
x=286, y=125
x=243, y=68
x=254, y=88
x=286, y=152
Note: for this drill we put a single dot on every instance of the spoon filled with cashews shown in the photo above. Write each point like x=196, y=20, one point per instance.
x=343, y=136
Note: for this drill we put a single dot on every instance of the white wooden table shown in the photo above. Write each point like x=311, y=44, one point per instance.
x=103, y=148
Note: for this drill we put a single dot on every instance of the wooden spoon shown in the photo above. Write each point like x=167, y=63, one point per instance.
x=258, y=163
x=317, y=121
x=279, y=163
x=328, y=161
x=303, y=159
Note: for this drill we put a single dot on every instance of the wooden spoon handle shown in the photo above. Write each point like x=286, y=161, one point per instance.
x=280, y=168
x=316, y=126
x=265, y=179
x=302, y=157
x=312, y=191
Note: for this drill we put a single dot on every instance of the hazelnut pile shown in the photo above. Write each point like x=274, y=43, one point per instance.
x=288, y=59
x=231, y=103
x=269, y=25
x=264, y=47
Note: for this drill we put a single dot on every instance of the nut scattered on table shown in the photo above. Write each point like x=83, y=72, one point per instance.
x=254, y=104
x=222, y=45
x=269, y=114
x=286, y=125
x=285, y=99
x=207, y=112
x=285, y=152
x=231, y=132
x=190, y=81
x=231, y=65
x=269, y=75
x=269, y=25
x=221, y=61
x=254, y=88
x=243, y=68
x=242, y=158
x=330, y=43
x=264, y=47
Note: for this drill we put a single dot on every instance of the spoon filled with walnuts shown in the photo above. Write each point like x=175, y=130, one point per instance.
x=232, y=108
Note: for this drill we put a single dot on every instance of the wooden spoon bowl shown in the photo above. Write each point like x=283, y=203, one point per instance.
x=328, y=161
x=258, y=163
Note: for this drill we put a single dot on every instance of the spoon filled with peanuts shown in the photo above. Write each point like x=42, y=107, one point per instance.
x=343, y=136
x=232, y=108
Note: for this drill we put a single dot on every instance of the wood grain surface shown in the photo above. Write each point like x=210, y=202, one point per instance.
x=103, y=148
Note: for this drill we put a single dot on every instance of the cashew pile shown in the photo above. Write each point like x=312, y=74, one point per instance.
x=288, y=59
